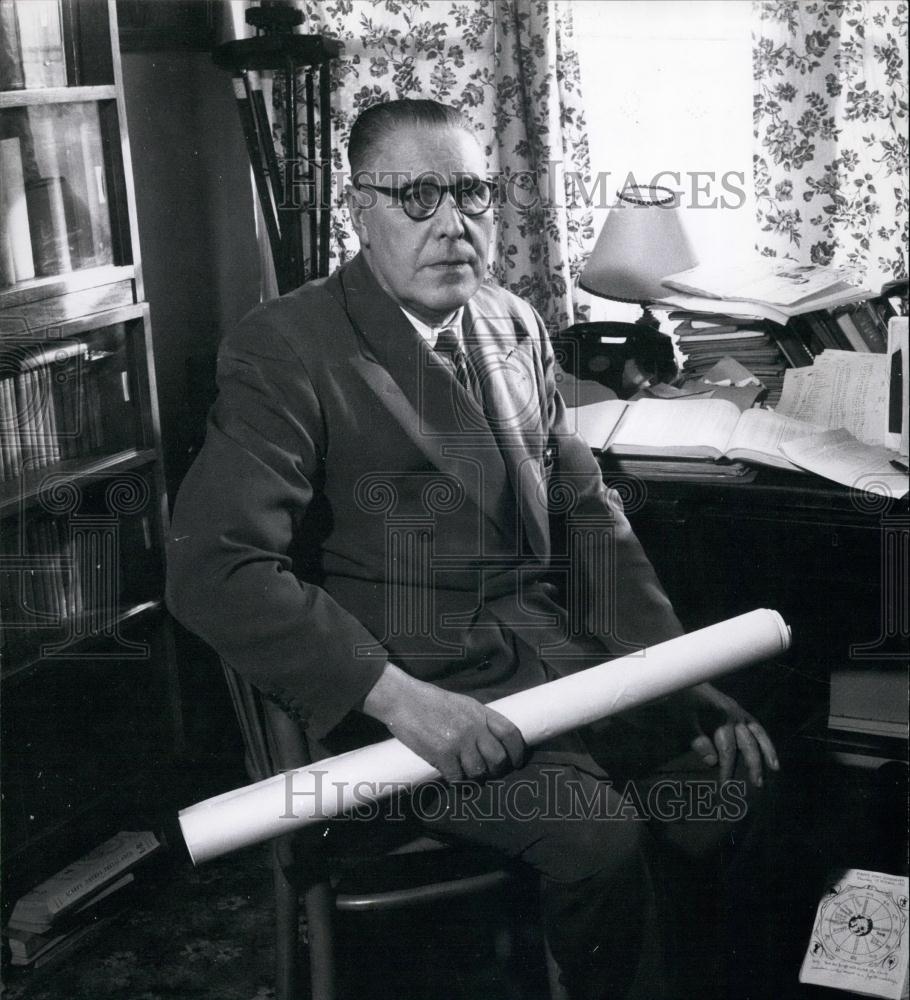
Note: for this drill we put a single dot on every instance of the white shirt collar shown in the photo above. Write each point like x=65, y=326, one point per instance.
x=431, y=333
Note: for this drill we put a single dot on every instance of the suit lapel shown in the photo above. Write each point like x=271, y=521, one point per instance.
x=418, y=388
x=437, y=414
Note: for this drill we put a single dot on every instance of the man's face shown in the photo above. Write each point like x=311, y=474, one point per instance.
x=430, y=266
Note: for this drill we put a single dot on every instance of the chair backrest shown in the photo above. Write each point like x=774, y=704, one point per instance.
x=274, y=742
x=272, y=739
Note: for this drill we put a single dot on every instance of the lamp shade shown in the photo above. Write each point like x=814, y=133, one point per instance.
x=642, y=241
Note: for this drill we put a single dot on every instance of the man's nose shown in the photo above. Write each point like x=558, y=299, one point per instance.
x=449, y=220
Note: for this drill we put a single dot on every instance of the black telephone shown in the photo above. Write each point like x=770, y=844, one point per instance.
x=622, y=356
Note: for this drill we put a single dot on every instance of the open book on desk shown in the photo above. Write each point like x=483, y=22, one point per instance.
x=690, y=428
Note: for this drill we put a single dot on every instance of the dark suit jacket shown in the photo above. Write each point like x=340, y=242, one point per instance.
x=352, y=504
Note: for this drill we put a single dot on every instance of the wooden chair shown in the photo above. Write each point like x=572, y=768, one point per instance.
x=301, y=870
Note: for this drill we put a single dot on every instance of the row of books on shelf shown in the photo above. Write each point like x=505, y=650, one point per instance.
x=52, y=223
x=862, y=326
x=48, y=585
x=50, y=919
x=51, y=406
x=32, y=55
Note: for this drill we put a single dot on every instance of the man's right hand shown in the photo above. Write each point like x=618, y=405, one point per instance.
x=455, y=733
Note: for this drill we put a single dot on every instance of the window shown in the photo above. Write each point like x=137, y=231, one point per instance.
x=668, y=98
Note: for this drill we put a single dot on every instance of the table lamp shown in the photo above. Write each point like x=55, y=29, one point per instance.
x=641, y=242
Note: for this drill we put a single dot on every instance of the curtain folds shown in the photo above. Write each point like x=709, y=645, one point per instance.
x=830, y=126
x=510, y=65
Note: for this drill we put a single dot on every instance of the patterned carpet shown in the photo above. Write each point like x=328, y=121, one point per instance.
x=207, y=934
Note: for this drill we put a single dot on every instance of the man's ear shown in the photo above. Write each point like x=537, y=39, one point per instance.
x=357, y=209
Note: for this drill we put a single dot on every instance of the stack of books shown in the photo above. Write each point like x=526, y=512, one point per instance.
x=56, y=914
x=705, y=338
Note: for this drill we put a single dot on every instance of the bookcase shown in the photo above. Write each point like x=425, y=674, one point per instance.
x=89, y=686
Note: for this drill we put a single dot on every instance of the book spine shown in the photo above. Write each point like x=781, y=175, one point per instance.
x=849, y=330
x=41, y=44
x=106, y=868
x=50, y=232
x=792, y=345
x=41, y=595
x=98, y=208
x=48, y=416
x=821, y=331
x=17, y=262
x=872, y=328
x=12, y=76
x=8, y=431
x=802, y=329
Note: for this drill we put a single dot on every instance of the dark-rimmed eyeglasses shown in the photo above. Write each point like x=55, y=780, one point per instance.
x=472, y=195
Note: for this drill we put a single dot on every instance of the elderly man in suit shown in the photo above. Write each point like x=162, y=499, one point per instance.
x=392, y=523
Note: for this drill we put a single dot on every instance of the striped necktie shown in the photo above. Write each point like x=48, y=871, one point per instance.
x=448, y=343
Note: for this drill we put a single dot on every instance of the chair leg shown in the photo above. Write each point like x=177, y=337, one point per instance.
x=287, y=930
x=557, y=990
x=319, y=904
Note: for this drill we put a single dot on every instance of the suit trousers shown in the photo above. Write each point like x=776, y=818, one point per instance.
x=632, y=865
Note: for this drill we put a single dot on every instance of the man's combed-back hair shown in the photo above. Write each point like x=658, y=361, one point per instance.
x=380, y=121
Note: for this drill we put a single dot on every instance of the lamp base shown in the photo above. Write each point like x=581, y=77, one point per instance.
x=650, y=355
x=648, y=319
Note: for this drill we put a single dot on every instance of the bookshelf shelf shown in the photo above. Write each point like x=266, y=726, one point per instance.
x=56, y=95
x=39, y=289
x=89, y=682
x=17, y=496
x=20, y=656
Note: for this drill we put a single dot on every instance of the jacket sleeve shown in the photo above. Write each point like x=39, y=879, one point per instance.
x=230, y=578
x=623, y=602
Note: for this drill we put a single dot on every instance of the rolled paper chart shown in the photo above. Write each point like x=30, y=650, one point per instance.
x=327, y=788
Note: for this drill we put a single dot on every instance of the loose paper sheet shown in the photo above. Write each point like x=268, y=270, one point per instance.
x=766, y=432
x=842, y=389
x=859, y=940
x=838, y=456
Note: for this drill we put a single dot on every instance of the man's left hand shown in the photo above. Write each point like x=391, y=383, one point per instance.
x=723, y=730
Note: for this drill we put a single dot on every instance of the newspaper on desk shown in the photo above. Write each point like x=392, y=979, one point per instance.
x=859, y=939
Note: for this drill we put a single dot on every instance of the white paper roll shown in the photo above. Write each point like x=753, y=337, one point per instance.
x=281, y=804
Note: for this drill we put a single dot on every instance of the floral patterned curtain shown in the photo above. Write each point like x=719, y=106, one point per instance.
x=511, y=67
x=831, y=132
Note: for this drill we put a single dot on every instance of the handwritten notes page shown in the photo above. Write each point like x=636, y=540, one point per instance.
x=842, y=389
x=761, y=434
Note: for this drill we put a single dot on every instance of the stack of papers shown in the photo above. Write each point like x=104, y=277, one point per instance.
x=770, y=288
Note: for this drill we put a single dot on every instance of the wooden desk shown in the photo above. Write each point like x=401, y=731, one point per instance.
x=834, y=562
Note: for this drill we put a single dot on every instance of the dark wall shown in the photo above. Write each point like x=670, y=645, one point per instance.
x=201, y=269
x=196, y=228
